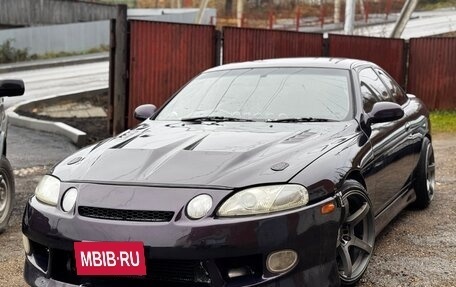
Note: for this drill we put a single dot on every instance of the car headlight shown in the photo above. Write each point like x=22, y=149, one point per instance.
x=199, y=206
x=69, y=199
x=265, y=199
x=48, y=190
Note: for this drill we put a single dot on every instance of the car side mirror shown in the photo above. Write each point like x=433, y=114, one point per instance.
x=144, y=112
x=385, y=112
x=11, y=88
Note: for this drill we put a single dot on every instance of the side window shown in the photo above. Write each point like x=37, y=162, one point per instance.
x=372, y=89
x=399, y=96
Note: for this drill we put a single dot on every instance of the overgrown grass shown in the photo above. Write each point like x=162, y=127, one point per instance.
x=443, y=121
x=435, y=4
x=10, y=54
x=52, y=55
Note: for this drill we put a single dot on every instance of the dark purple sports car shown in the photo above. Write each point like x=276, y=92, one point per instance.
x=268, y=173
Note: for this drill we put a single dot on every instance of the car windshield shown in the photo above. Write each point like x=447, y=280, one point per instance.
x=263, y=94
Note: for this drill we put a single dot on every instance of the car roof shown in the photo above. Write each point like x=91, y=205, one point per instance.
x=319, y=62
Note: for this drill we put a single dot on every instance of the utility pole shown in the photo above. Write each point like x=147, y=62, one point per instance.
x=349, y=17
x=336, y=11
x=361, y=7
x=199, y=16
x=240, y=11
x=404, y=17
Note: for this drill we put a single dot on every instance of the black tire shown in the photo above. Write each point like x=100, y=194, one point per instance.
x=6, y=192
x=425, y=176
x=356, y=233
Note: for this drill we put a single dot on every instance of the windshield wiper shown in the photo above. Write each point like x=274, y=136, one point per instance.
x=215, y=119
x=297, y=120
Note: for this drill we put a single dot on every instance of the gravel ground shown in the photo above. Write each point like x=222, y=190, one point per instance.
x=417, y=249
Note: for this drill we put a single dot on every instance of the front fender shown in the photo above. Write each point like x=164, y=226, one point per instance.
x=332, y=168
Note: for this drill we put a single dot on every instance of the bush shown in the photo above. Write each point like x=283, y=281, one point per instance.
x=9, y=54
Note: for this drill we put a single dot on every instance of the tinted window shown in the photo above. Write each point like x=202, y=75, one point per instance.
x=397, y=93
x=264, y=93
x=372, y=89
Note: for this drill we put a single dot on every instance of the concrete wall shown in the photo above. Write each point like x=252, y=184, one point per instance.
x=173, y=15
x=77, y=37
x=43, y=12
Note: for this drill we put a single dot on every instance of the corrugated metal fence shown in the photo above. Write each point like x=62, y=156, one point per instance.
x=242, y=44
x=432, y=71
x=387, y=53
x=163, y=57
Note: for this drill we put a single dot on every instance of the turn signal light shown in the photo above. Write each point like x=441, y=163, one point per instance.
x=328, y=208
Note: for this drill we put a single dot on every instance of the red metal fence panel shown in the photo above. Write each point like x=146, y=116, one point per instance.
x=432, y=71
x=163, y=57
x=387, y=53
x=243, y=44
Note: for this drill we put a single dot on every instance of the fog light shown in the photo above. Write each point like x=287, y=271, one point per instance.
x=26, y=244
x=69, y=199
x=281, y=261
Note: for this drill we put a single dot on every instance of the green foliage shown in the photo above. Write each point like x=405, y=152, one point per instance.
x=435, y=4
x=9, y=54
x=443, y=121
x=52, y=55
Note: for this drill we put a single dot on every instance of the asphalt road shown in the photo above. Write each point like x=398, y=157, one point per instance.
x=425, y=24
x=40, y=83
x=29, y=149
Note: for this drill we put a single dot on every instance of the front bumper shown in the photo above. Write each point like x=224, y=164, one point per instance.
x=183, y=252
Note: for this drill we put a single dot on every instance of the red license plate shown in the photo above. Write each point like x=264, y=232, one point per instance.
x=110, y=258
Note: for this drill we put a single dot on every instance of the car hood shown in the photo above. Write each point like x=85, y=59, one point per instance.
x=224, y=155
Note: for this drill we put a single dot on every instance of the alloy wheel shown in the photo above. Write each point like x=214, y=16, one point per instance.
x=356, y=237
x=4, y=198
x=430, y=171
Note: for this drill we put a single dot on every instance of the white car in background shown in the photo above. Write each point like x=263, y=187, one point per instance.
x=8, y=88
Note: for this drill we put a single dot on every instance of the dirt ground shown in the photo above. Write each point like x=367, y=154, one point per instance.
x=417, y=249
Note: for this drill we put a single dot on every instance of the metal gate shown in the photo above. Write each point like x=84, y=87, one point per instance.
x=389, y=54
x=242, y=44
x=163, y=57
x=432, y=71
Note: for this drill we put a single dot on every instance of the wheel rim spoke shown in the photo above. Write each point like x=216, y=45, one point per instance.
x=345, y=258
x=359, y=215
x=430, y=173
x=3, y=196
x=362, y=245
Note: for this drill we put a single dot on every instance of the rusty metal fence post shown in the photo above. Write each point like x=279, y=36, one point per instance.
x=120, y=71
x=112, y=68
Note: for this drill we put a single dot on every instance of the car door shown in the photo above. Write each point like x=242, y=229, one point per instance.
x=391, y=165
x=413, y=115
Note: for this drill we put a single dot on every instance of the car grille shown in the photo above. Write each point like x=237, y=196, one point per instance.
x=125, y=215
